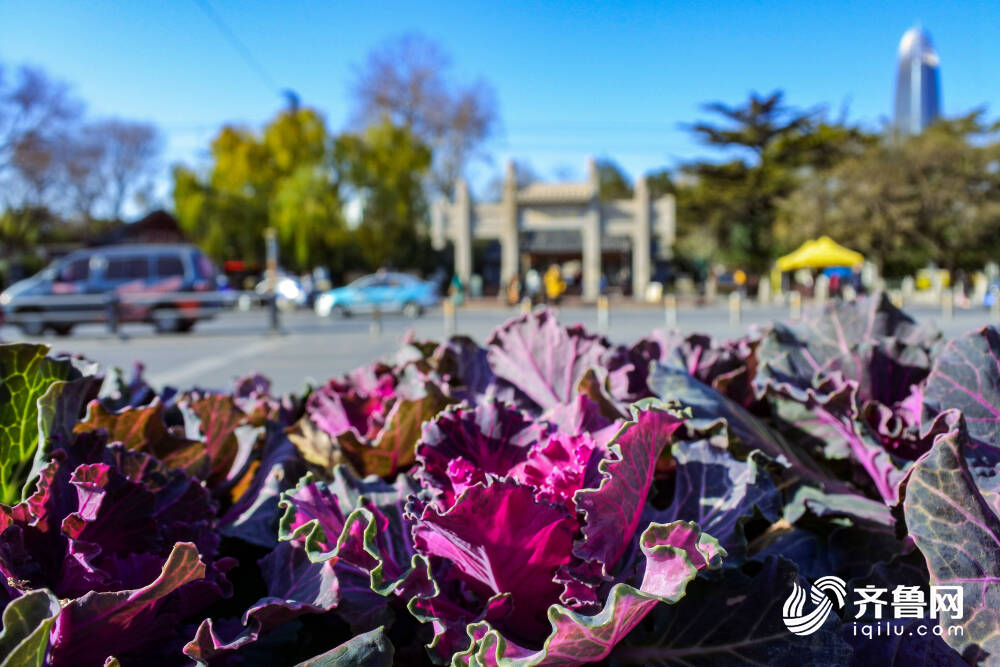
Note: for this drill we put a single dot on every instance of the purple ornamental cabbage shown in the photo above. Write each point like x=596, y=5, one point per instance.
x=519, y=533
x=545, y=362
x=358, y=403
x=345, y=550
x=104, y=523
x=370, y=420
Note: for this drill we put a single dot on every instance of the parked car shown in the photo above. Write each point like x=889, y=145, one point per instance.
x=389, y=292
x=145, y=281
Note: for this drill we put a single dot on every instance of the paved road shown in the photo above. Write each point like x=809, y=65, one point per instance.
x=315, y=349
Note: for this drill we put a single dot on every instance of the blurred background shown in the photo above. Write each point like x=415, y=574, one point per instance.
x=540, y=151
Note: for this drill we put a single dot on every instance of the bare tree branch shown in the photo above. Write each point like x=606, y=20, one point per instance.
x=406, y=80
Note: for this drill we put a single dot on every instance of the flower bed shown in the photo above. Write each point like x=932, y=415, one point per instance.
x=547, y=498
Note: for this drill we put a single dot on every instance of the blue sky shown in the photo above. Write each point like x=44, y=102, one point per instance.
x=610, y=79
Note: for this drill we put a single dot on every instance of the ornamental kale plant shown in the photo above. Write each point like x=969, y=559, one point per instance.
x=543, y=498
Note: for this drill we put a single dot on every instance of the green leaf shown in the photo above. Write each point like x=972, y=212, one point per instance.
x=957, y=530
x=26, y=375
x=371, y=649
x=26, y=624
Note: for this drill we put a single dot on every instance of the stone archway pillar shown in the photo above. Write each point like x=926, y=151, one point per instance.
x=462, y=238
x=591, y=238
x=642, y=248
x=510, y=236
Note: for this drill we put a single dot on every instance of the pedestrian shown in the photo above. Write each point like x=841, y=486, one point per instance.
x=456, y=290
x=554, y=284
x=533, y=284
x=514, y=290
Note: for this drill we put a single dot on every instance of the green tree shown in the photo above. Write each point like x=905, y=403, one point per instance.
x=282, y=177
x=906, y=201
x=385, y=167
x=768, y=146
x=661, y=183
x=614, y=184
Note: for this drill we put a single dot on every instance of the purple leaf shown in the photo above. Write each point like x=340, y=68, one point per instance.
x=675, y=554
x=735, y=618
x=295, y=586
x=462, y=444
x=275, y=468
x=542, y=359
x=966, y=376
x=516, y=553
x=827, y=415
x=612, y=511
x=737, y=490
x=707, y=409
x=91, y=627
x=356, y=404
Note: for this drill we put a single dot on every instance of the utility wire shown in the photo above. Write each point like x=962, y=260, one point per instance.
x=240, y=47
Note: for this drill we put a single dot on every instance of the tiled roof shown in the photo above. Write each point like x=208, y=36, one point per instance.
x=555, y=192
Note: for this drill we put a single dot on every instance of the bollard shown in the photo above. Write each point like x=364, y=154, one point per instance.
x=670, y=310
x=908, y=288
x=711, y=288
x=795, y=301
x=735, y=307
x=271, y=264
x=448, y=309
x=113, y=313
x=947, y=305
x=526, y=305
x=821, y=290
x=272, y=313
x=603, y=314
x=764, y=291
x=376, y=327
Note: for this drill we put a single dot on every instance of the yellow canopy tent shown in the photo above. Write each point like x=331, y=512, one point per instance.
x=819, y=254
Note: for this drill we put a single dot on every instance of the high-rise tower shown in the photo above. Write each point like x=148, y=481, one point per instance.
x=918, y=84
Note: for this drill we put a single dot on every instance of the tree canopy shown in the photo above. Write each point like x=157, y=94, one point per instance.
x=296, y=177
x=281, y=177
x=726, y=209
x=385, y=166
x=908, y=200
x=614, y=184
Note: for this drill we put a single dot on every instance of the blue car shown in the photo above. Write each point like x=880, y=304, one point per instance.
x=389, y=292
x=991, y=294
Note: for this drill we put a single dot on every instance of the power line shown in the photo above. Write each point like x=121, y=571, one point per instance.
x=240, y=47
x=610, y=126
